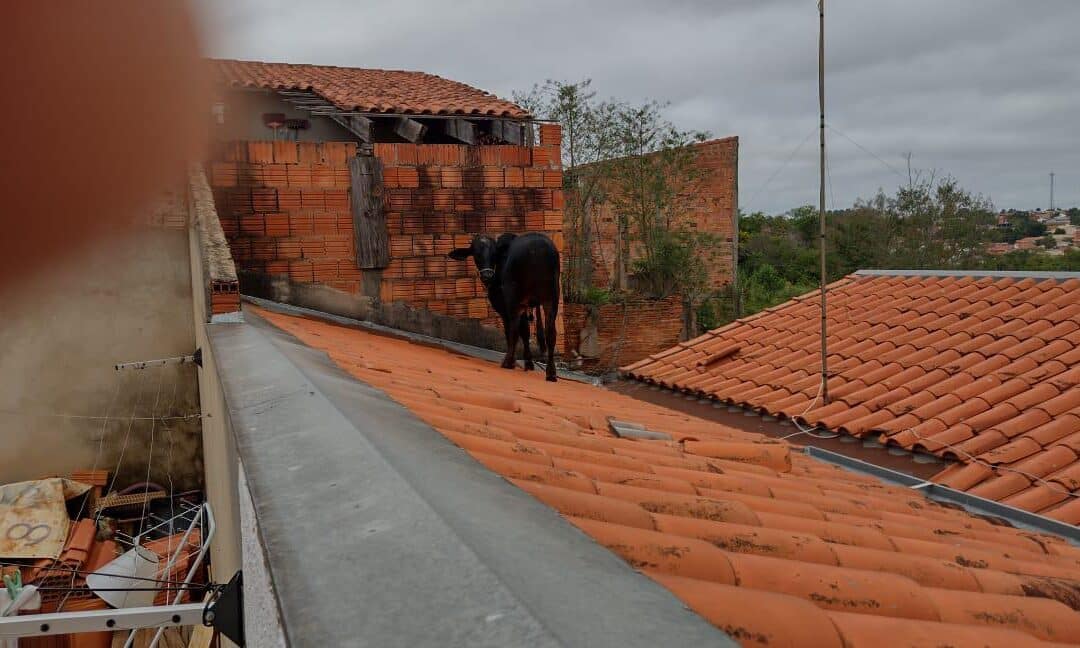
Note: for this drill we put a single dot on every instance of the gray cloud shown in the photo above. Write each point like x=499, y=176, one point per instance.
x=985, y=90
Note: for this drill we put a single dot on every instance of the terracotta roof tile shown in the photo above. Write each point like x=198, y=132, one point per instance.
x=768, y=544
x=368, y=90
x=968, y=368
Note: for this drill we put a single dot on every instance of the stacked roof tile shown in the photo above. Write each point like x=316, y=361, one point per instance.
x=983, y=370
x=367, y=90
x=768, y=544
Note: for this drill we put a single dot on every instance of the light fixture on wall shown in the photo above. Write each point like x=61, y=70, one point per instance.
x=273, y=120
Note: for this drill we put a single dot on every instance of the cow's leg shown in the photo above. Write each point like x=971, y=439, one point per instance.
x=523, y=332
x=541, y=340
x=511, y=330
x=551, y=309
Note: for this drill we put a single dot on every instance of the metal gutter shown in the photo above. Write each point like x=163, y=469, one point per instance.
x=972, y=503
x=1000, y=274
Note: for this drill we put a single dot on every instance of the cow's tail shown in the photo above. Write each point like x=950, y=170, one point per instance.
x=541, y=338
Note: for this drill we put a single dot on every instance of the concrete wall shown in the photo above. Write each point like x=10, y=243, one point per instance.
x=127, y=299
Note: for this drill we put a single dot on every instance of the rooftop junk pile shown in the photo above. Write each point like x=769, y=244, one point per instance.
x=71, y=544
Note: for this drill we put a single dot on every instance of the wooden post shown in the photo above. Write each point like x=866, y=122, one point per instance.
x=821, y=210
x=369, y=219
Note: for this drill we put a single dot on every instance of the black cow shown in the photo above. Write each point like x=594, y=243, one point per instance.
x=520, y=273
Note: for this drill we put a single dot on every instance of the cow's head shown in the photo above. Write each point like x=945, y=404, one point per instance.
x=487, y=253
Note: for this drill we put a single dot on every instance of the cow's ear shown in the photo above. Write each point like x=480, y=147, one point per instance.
x=460, y=254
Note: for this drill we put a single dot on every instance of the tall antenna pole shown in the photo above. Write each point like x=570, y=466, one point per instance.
x=821, y=211
x=1051, y=191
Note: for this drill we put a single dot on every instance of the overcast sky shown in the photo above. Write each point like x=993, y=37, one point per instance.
x=985, y=90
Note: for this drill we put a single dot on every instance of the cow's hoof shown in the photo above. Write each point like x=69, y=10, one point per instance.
x=529, y=365
x=551, y=378
x=507, y=364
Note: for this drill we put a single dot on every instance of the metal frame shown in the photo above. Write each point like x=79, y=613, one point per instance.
x=158, y=616
x=209, y=530
x=972, y=503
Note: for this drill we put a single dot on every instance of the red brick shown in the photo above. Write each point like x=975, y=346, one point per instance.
x=313, y=246
x=424, y=289
x=288, y=199
x=286, y=152
x=335, y=153
x=325, y=270
x=434, y=266
x=223, y=174
x=288, y=249
x=348, y=270
x=260, y=152
x=253, y=225
x=339, y=246
x=400, y=246
x=553, y=179
x=312, y=199
x=443, y=199
x=515, y=177
x=344, y=222
x=299, y=175
x=423, y=245
x=264, y=199
x=408, y=178
x=302, y=271
x=325, y=222
x=309, y=152
x=533, y=177
x=322, y=175
x=277, y=267
x=451, y=178
x=277, y=224
x=337, y=199
x=551, y=134
x=263, y=249
x=534, y=220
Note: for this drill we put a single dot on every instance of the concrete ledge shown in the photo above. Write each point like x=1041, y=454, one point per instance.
x=378, y=531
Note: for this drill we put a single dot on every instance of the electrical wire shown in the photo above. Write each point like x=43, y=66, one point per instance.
x=182, y=417
x=782, y=166
x=150, y=452
x=867, y=151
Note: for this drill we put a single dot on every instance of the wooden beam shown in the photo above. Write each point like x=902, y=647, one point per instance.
x=460, y=129
x=369, y=218
x=355, y=124
x=410, y=129
x=507, y=130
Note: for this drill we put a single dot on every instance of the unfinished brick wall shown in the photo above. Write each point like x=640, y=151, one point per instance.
x=284, y=208
x=712, y=211
x=439, y=195
x=624, y=332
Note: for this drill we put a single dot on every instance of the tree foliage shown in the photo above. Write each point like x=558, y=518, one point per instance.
x=926, y=224
x=629, y=160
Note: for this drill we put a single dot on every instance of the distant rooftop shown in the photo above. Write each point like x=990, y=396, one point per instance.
x=368, y=90
x=978, y=367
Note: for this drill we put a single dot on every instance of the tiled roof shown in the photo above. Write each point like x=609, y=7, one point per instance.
x=365, y=90
x=765, y=542
x=980, y=369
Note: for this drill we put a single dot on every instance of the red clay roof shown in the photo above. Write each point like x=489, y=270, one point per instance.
x=983, y=370
x=365, y=90
x=768, y=544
